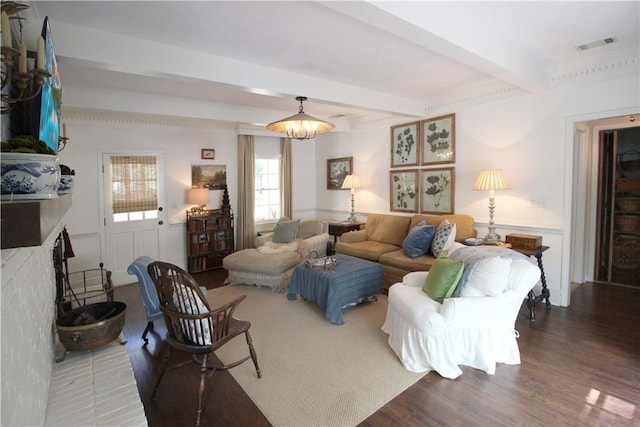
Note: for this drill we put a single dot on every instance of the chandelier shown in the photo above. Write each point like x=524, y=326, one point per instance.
x=300, y=126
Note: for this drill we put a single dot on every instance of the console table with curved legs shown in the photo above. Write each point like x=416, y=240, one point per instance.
x=533, y=299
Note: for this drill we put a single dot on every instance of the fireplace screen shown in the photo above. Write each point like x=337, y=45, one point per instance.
x=77, y=289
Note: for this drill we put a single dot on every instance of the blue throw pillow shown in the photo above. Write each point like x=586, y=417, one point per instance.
x=418, y=241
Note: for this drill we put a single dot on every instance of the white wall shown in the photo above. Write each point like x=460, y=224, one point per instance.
x=92, y=134
x=526, y=137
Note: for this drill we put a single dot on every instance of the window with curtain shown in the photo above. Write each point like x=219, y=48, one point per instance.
x=134, y=188
x=267, y=189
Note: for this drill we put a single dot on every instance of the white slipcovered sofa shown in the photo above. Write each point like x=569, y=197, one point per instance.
x=475, y=328
x=271, y=263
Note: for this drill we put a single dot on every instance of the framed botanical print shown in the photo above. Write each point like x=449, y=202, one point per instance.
x=404, y=145
x=404, y=190
x=438, y=140
x=337, y=170
x=437, y=191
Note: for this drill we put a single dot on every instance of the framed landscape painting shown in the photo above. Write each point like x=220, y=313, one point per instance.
x=438, y=140
x=404, y=190
x=438, y=190
x=337, y=170
x=404, y=145
x=213, y=177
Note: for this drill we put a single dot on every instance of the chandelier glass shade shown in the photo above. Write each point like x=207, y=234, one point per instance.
x=300, y=126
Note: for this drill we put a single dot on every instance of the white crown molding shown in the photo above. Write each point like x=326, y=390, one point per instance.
x=490, y=96
x=255, y=130
x=129, y=119
x=611, y=67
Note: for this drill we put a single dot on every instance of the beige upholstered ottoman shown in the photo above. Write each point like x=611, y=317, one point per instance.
x=251, y=267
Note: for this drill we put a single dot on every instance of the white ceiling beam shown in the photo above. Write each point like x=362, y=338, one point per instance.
x=444, y=28
x=110, y=51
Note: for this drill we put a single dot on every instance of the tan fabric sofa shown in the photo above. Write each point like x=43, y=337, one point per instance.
x=381, y=241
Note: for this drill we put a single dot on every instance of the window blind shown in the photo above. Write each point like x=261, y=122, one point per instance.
x=134, y=183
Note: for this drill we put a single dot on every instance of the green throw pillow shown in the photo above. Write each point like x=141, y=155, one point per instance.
x=443, y=278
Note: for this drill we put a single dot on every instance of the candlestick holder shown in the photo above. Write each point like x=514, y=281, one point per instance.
x=23, y=80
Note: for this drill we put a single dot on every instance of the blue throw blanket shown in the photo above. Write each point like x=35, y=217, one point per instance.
x=472, y=255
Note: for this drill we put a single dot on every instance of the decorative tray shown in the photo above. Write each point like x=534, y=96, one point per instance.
x=324, y=263
x=473, y=242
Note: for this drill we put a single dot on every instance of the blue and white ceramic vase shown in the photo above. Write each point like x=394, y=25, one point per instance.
x=66, y=184
x=28, y=176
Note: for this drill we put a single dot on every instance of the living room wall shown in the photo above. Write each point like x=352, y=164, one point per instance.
x=529, y=137
x=93, y=133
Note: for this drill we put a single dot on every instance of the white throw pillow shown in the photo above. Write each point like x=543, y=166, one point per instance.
x=454, y=247
x=191, y=303
x=490, y=277
x=472, y=292
x=522, y=275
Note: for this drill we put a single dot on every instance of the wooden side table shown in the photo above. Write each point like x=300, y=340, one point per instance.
x=544, y=295
x=337, y=229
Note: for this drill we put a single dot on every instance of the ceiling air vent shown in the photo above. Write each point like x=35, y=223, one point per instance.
x=597, y=43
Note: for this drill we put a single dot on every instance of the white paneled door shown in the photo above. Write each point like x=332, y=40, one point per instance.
x=134, y=217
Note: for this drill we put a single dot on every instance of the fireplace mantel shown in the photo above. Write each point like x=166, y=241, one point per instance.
x=30, y=222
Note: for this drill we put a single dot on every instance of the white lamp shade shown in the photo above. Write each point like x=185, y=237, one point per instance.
x=351, y=181
x=491, y=179
x=198, y=196
x=300, y=122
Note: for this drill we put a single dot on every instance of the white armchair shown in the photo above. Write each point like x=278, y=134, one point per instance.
x=477, y=331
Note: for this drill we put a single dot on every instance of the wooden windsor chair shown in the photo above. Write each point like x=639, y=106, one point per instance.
x=193, y=327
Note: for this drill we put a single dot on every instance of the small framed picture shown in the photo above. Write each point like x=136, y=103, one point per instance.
x=438, y=140
x=208, y=154
x=438, y=190
x=337, y=170
x=404, y=190
x=404, y=145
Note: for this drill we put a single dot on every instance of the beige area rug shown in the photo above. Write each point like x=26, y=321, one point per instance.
x=314, y=373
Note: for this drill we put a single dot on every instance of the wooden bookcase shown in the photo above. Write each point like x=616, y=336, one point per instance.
x=618, y=238
x=209, y=239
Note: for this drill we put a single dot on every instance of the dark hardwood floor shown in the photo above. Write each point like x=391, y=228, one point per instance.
x=580, y=366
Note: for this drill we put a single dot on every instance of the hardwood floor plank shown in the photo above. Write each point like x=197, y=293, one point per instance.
x=579, y=366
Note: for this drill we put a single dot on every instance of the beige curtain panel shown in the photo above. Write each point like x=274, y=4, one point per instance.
x=245, y=224
x=285, y=177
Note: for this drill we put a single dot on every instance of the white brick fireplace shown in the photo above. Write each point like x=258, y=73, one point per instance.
x=27, y=311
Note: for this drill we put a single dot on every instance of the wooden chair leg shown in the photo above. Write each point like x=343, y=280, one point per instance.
x=203, y=377
x=146, y=331
x=252, y=351
x=163, y=368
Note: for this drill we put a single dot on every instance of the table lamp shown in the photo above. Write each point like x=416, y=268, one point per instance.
x=491, y=179
x=352, y=182
x=198, y=196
